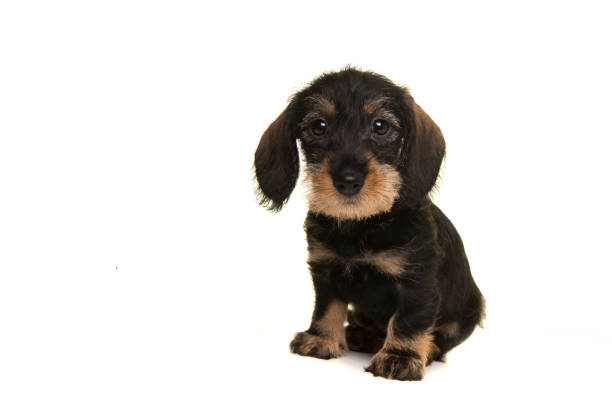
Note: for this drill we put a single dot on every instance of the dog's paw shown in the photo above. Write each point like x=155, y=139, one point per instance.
x=306, y=344
x=397, y=365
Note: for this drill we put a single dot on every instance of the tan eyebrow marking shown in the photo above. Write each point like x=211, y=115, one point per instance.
x=376, y=106
x=322, y=104
x=321, y=108
x=370, y=106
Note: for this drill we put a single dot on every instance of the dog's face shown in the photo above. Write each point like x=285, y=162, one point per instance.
x=366, y=143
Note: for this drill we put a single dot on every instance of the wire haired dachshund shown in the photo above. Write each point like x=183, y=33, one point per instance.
x=390, y=273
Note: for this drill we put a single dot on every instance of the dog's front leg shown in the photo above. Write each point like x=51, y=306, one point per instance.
x=326, y=336
x=409, y=343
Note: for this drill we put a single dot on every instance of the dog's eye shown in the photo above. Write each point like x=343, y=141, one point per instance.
x=380, y=127
x=318, y=127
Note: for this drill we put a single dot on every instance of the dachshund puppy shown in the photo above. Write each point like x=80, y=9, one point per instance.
x=376, y=242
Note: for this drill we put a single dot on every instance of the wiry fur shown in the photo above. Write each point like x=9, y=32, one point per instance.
x=385, y=248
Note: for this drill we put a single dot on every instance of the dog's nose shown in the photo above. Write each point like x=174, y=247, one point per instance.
x=349, y=182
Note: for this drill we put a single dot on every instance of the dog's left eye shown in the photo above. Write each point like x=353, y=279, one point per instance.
x=318, y=127
x=380, y=127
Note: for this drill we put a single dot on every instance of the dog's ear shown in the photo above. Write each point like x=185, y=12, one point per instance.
x=277, y=163
x=422, y=154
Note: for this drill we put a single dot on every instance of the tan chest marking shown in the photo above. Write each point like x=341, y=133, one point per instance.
x=392, y=262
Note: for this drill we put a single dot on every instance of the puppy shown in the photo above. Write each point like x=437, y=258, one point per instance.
x=376, y=242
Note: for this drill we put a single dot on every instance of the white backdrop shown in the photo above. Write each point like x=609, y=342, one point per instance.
x=136, y=268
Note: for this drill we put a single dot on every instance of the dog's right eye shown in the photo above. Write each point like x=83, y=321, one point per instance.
x=318, y=127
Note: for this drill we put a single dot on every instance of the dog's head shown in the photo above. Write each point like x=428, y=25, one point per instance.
x=367, y=146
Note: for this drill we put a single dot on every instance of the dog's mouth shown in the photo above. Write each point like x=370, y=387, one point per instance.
x=379, y=191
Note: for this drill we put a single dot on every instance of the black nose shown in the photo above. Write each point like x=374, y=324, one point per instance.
x=349, y=182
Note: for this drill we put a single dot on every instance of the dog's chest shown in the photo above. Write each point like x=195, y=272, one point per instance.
x=367, y=278
x=356, y=250
x=346, y=246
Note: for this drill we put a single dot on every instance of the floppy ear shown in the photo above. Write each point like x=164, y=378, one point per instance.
x=422, y=155
x=277, y=163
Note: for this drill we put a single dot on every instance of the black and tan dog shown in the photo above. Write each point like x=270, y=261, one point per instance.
x=375, y=240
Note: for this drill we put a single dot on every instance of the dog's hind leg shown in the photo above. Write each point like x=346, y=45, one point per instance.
x=452, y=333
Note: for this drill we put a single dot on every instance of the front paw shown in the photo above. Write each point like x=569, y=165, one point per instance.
x=397, y=365
x=319, y=346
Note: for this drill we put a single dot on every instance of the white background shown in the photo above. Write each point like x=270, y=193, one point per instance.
x=136, y=268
